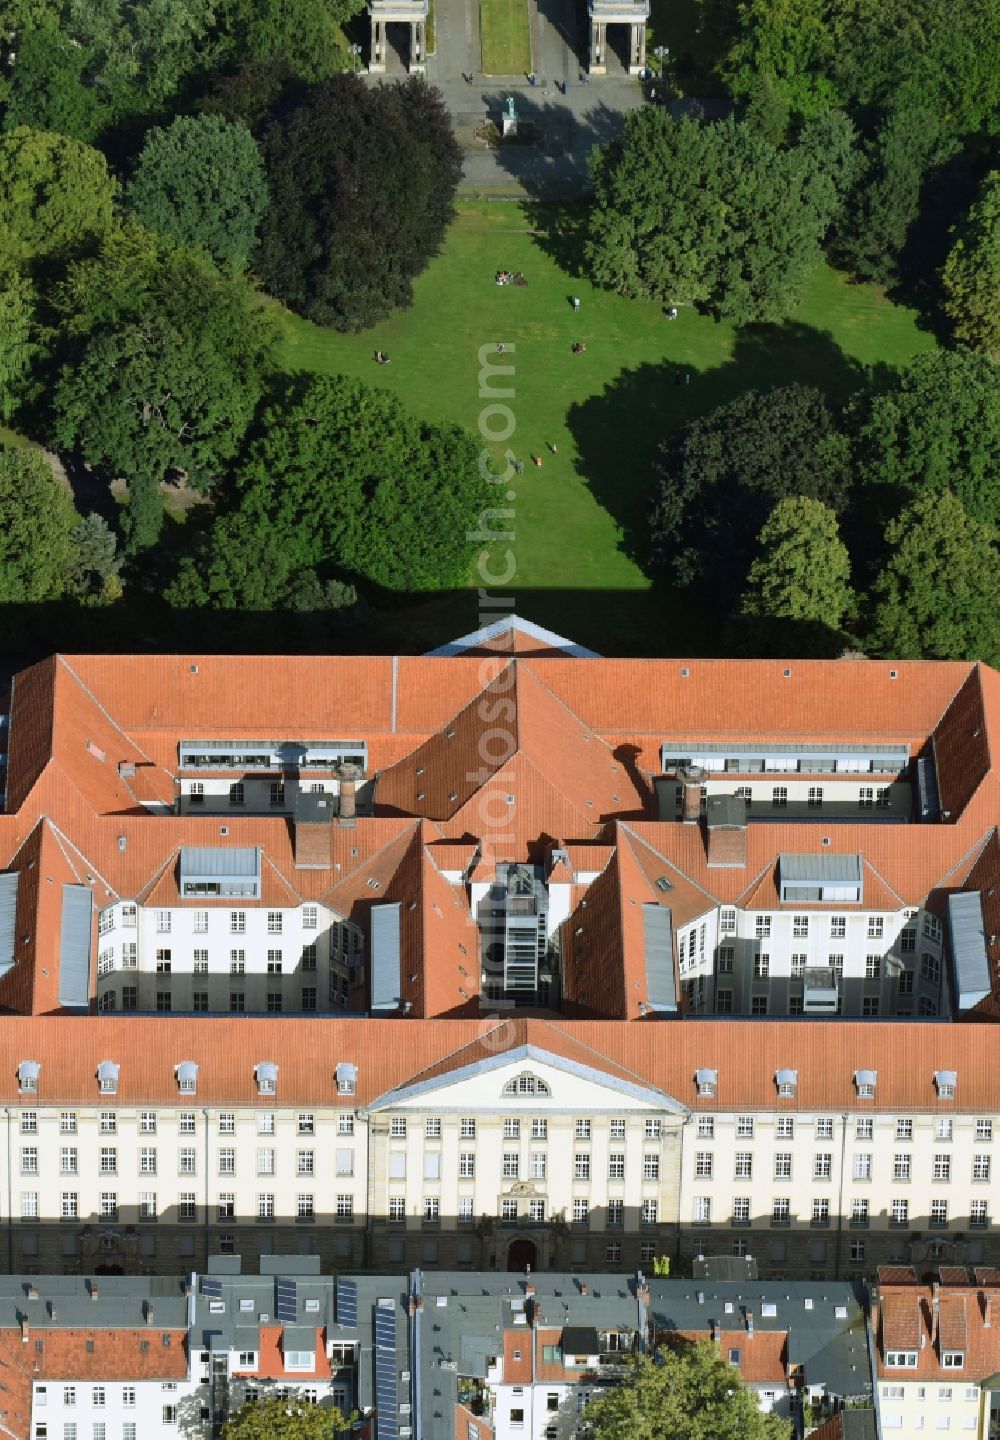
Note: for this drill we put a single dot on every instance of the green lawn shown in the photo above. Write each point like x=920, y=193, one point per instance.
x=579, y=518
x=506, y=38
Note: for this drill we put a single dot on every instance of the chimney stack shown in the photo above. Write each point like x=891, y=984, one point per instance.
x=25, y=1329
x=726, y=824
x=935, y=1311
x=94, y=1292
x=690, y=777
x=584, y=1289
x=312, y=822
x=348, y=794
x=149, y=1311
x=987, y=1310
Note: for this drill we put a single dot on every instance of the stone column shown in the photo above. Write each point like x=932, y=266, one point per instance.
x=377, y=62
x=597, y=42
x=642, y=44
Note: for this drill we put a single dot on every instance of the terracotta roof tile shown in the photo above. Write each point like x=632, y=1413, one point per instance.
x=94, y=1354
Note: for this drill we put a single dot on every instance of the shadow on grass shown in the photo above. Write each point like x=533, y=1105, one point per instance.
x=764, y=356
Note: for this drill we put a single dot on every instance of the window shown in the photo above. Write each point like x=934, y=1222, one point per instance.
x=537, y=1165
x=901, y=1166
x=109, y=1160
x=147, y=1161
x=941, y=1169
x=702, y=1212
x=274, y=962
x=650, y=1212
x=467, y=1129
x=820, y=1212
x=265, y=1207
x=511, y=1129
x=345, y=1207
x=859, y=1212
x=930, y=968
x=98, y=1397
x=783, y=1165
x=397, y=1126
x=744, y=1165
x=274, y=922
x=467, y=1165
x=978, y=1213
x=345, y=1124
x=67, y=1121
x=901, y=1359
x=186, y=1161
x=67, y=1161
x=899, y=1213
x=511, y=1164
x=237, y=962
x=744, y=1127
x=397, y=1208
x=939, y=1212
x=29, y=1205
x=29, y=1160
x=904, y=1129
x=862, y=1165
x=616, y=1212
x=305, y=1162
x=873, y=967
x=616, y=1164
x=540, y=1129
x=762, y=926
x=953, y=1359
x=876, y=926
x=727, y=956
x=702, y=1165
x=800, y=927
x=838, y=927
x=864, y=1129
x=650, y=1165
x=147, y=1122
x=227, y=1161
x=706, y=1127
x=824, y=1128
x=130, y=997
x=822, y=1166
x=780, y=1210
x=727, y=921
x=163, y=922
x=583, y=1129
x=858, y=1248
x=163, y=962
x=815, y=795
x=761, y=966
x=432, y=1208
x=581, y=1165
x=779, y=796
x=943, y=1127
x=432, y=1128
x=741, y=1210
x=147, y=1205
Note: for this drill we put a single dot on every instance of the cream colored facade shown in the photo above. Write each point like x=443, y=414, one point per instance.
x=908, y=1410
x=525, y=1158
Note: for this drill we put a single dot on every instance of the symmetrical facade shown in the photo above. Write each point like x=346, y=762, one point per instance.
x=372, y=959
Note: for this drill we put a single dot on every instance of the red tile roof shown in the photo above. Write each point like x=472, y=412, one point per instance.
x=95, y=1354
x=905, y=1320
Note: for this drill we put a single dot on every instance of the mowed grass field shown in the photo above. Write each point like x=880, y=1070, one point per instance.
x=505, y=37
x=579, y=519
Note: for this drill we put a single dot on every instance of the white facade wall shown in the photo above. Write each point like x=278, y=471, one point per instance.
x=908, y=1410
x=129, y=1410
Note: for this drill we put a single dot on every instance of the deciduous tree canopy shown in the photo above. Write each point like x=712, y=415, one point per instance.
x=712, y=215
x=362, y=183
x=37, y=521
x=55, y=195
x=274, y=1419
x=201, y=182
x=972, y=273
x=688, y=1393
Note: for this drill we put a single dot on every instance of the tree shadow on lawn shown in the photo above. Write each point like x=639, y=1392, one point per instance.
x=618, y=432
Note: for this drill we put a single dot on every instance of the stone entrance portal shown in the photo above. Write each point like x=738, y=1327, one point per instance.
x=399, y=12
x=522, y=1255
x=634, y=14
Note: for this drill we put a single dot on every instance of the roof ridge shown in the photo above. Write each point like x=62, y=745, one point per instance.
x=671, y=864
x=583, y=1044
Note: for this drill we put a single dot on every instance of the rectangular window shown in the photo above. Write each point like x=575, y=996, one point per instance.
x=227, y=1162
x=652, y=1129
x=873, y=967
x=467, y=1129
x=904, y=1129
x=147, y=1205
x=783, y=1165
x=941, y=1169
x=616, y=1212
x=744, y=1165
x=650, y=1165
x=67, y=1122
x=540, y=1129
x=68, y=1161
x=147, y=1161
x=779, y=796
x=616, y=1164
x=981, y=1167
x=397, y=1127
x=650, y=1212
x=876, y=927
x=824, y=1128
x=820, y=1212
x=741, y=1210
x=901, y=1166
x=467, y=1165
x=581, y=1165
x=109, y=1160
x=899, y=1213
x=186, y=1160
x=274, y=922
x=702, y=1212
x=761, y=966
x=70, y=1205
x=345, y=1207
x=537, y=1165
x=780, y=1210
x=511, y=1129
x=29, y=1205
x=784, y=1127
x=702, y=1165
x=800, y=927
x=859, y=1212
x=864, y=1129
x=978, y=1213
x=862, y=1165
x=706, y=1127
x=939, y=1212
x=984, y=1129
x=744, y=1127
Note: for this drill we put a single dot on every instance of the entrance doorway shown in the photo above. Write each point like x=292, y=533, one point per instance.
x=521, y=1254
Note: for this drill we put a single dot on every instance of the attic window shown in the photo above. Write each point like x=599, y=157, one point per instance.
x=864, y=1082
x=266, y=1074
x=107, y=1077
x=526, y=1085
x=662, y=883
x=787, y=674
x=893, y=674
x=27, y=1077
x=734, y=1357
x=187, y=1077
x=787, y=1082
x=685, y=672
x=347, y=1078
x=946, y=1081
x=707, y=1082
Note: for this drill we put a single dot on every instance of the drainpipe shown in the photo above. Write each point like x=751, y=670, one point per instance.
x=642, y=1304
x=10, y=1203
x=205, y=1113
x=838, y=1247
x=416, y=1307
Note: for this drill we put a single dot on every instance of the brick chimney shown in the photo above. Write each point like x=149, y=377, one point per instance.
x=584, y=1289
x=348, y=793
x=987, y=1310
x=25, y=1329
x=726, y=824
x=935, y=1311
x=312, y=822
x=690, y=778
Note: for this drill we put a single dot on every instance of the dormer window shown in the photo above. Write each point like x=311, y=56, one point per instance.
x=953, y=1359
x=946, y=1081
x=107, y=1077
x=864, y=1083
x=787, y=1082
x=266, y=1074
x=27, y=1077
x=707, y=1082
x=347, y=1078
x=526, y=1085
x=187, y=1077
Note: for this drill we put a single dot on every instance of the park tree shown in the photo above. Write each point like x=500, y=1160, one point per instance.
x=686, y=1392
x=164, y=384
x=26, y=340
x=276, y=1419
x=829, y=144
x=56, y=195
x=95, y=566
x=971, y=276
x=340, y=478
x=200, y=181
x=798, y=591
x=710, y=215
x=140, y=51
x=46, y=87
x=362, y=182
x=938, y=596
x=37, y=522
x=936, y=427
x=717, y=480
x=305, y=36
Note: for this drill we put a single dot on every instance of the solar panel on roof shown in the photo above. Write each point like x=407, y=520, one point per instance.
x=386, y=1424
x=347, y=1303
x=286, y=1302
x=211, y=1286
